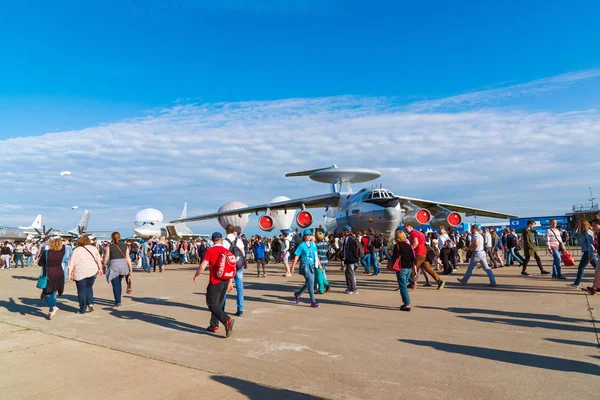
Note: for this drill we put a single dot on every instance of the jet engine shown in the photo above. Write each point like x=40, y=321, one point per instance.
x=304, y=219
x=415, y=215
x=444, y=217
x=266, y=223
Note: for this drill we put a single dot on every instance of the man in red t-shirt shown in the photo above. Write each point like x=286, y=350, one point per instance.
x=217, y=289
x=417, y=241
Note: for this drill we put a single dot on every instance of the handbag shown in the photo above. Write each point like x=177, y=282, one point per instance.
x=567, y=259
x=42, y=281
x=396, y=265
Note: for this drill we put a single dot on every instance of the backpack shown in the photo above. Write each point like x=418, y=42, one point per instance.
x=512, y=241
x=377, y=242
x=226, y=266
x=233, y=249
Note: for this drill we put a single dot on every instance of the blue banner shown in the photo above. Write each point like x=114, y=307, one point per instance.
x=541, y=223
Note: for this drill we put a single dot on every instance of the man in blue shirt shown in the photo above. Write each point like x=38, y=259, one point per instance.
x=259, y=256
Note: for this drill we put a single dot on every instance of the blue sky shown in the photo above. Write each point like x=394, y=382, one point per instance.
x=135, y=68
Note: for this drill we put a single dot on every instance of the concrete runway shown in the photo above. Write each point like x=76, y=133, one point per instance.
x=528, y=338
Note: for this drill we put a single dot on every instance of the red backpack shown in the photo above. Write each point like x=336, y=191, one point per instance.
x=226, y=266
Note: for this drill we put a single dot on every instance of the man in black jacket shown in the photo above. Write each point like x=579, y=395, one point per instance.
x=530, y=250
x=350, y=259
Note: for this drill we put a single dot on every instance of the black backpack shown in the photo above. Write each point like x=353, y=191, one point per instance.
x=377, y=242
x=237, y=252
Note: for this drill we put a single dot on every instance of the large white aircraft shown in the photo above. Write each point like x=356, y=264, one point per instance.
x=379, y=208
x=155, y=227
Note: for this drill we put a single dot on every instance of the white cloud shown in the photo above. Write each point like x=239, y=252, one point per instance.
x=511, y=160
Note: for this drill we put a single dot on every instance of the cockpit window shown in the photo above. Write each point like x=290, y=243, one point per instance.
x=376, y=195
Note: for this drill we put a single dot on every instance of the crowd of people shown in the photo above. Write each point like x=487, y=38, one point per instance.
x=410, y=254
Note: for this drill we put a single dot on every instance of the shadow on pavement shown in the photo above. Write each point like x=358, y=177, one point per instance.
x=532, y=324
x=159, y=320
x=574, y=342
x=22, y=309
x=165, y=302
x=42, y=304
x=512, y=357
x=549, y=317
x=24, y=278
x=254, y=391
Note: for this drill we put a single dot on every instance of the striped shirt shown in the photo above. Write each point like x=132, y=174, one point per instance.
x=322, y=250
x=553, y=238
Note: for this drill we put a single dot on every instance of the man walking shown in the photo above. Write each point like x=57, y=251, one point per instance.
x=217, y=289
x=555, y=247
x=477, y=257
x=487, y=247
x=530, y=251
x=350, y=259
x=417, y=241
x=235, y=245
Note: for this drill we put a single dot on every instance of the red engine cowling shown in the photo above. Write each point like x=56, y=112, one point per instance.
x=444, y=217
x=304, y=219
x=266, y=223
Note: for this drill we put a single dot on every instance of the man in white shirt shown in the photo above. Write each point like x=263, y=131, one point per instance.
x=487, y=247
x=232, y=239
x=477, y=257
x=555, y=246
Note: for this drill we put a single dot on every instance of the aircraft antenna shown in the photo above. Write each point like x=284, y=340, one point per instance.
x=592, y=199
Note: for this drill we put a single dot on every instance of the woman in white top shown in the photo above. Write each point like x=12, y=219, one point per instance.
x=84, y=266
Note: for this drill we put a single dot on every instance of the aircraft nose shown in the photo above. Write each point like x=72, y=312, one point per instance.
x=391, y=213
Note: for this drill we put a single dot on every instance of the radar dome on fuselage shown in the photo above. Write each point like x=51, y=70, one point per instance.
x=148, y=216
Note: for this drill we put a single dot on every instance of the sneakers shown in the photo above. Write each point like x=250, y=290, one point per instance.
x=52, y=313
x=91, y=308
x=525, y=273
x=366, y=272
x=287, y=275
x=404, y=308
x=461, y=281
x=212, y=329
x=229, y=327
x=574, y=286
x=314, y=304
x=561, y=277
x=441, y=285
x=354, y=292
x=492, y=284
x=297, y=298
x=239, y=314
x=544, y=272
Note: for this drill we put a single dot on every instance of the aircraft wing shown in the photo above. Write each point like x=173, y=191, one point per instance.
x=325, y=200
x=453, y=207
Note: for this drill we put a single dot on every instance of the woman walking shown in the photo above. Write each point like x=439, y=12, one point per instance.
x=404, y=252
x=51, y=263
x=84, y=266
x=586, y=240
x=322, y=252
x=306, y=252
x=116, y=258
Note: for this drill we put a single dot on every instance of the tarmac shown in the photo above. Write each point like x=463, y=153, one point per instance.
x=527, y=338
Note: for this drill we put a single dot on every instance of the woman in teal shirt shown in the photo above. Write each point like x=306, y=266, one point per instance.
x=306, y=252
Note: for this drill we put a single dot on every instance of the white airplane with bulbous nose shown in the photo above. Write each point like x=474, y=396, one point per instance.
x=376, y=208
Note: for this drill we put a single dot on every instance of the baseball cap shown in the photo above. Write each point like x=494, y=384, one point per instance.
x=347, y=228
x=307, y=232
x=216, y=236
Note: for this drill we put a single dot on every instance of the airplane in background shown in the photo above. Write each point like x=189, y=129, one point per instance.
x=21, y=233
x=376, y=208
x=81, y=229
x=170, y=231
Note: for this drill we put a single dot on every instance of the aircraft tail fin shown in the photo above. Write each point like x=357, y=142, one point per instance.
x=37, y=223
x=184, y=212
x=83, y=224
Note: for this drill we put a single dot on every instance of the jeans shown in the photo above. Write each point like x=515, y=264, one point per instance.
x=29, y=261
x=19, y=257
x=403, y=276
x=85, y=292
x=453, y=257
x=309, y=281
x=350, y=277
x=51, y=300
x=239, y=289
x=516, y=256
x=479, y=257
x=65, y=266
x=146, y=263
x=117, y=287
x=365, y=261
x=556, y=265
x=160, y=261
x=373, y=260
x=215, y=296
x=585, y=260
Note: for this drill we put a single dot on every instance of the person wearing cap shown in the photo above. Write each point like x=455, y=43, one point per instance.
x=306, y=252
x=217, y=289
x=350, y=258
x=530, y=251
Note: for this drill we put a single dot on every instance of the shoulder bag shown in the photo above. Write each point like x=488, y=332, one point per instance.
x=42, y=281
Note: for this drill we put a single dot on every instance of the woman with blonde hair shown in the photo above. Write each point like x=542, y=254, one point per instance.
x=404, y=252
x=586, y=240
x=51, y=263
x=84, y=266
x=118, y=262
x=323, y=254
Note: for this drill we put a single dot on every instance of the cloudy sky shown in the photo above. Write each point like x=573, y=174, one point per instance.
x=156, y=129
